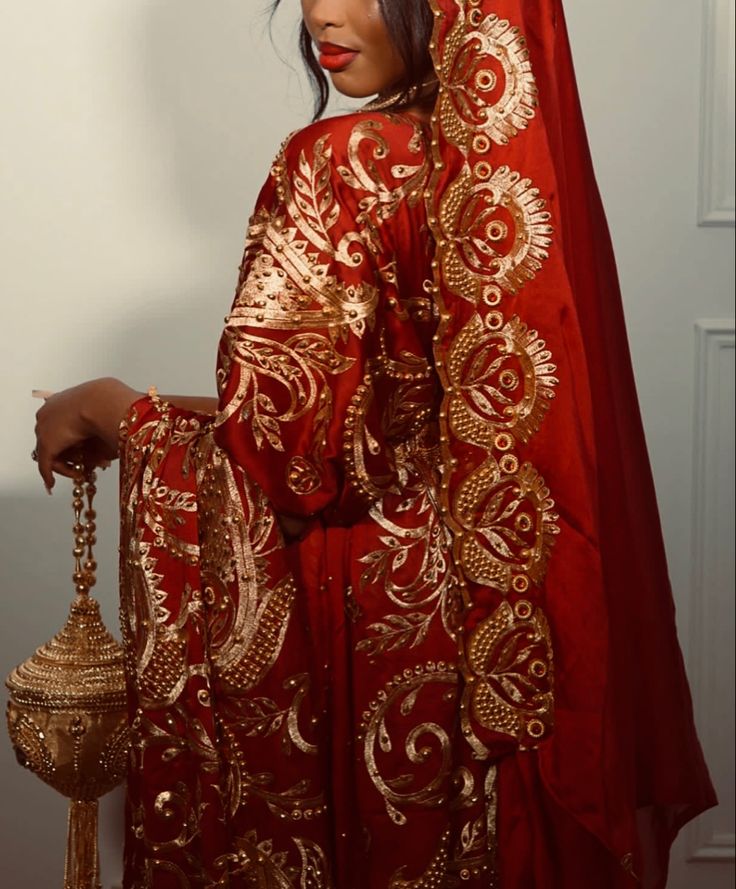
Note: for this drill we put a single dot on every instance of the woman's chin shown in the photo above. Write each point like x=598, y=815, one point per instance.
x=350, y=86
x=352, y=92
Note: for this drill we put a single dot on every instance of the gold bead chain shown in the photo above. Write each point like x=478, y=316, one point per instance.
x=85, y=530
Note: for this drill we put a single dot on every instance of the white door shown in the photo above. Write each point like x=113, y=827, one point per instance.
x=657, y=81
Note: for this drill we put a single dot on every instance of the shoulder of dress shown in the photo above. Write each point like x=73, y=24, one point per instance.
x=390, y=139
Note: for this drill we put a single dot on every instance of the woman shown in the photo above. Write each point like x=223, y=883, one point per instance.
x=395, y=606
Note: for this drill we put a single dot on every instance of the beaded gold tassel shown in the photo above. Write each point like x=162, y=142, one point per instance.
x=67, y=713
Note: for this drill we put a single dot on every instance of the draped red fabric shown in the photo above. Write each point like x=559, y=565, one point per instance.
x=617, y=704
x=648, y=705
x=465, y=670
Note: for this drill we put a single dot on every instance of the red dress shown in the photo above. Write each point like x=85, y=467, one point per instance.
x=465, y=671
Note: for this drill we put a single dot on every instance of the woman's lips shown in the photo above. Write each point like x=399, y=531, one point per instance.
x=335, y=58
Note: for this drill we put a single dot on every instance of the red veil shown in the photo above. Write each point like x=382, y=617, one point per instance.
x=547, y=484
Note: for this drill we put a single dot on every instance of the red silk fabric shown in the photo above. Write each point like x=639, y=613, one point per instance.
x=608, y=598
x=465, y=671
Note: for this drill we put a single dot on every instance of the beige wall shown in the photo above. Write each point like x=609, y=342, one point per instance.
x=134, y=138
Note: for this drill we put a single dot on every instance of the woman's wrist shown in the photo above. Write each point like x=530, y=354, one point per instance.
x=103, y=410
x=106, y=403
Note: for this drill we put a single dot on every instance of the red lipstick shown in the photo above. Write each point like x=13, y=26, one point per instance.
x=335, y=58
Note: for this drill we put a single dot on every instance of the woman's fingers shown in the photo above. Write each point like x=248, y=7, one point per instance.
x=88, y=454
x=57, y=451
x=49, y=467
x=95, y=454
x=65, y=469
x=45, y=462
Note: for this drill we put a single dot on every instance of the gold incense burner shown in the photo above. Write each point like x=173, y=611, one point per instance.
x=67, y=711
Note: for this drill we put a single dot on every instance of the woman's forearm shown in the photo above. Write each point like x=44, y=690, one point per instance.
x=109, y=400
x=84, y=423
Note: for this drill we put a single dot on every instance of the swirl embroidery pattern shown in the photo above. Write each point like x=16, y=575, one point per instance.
x=227, y=591
x=303, y=272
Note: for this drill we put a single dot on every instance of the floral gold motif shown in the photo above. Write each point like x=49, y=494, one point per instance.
x=489, y=89
x=502, y=379
x=509, y=526
x=510, y=658
x=496, y=231
x=494, y=235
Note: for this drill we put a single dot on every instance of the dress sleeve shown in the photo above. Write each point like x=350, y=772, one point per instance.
x=308, y=318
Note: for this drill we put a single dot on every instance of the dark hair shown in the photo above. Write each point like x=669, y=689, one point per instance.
x=409, y=24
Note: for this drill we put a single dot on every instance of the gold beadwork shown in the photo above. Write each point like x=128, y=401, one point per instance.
x=497, y=374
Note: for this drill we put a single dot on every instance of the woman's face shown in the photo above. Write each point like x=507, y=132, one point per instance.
x=354, y=46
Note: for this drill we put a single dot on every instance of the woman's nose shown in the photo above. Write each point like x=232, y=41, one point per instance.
x=323, y=14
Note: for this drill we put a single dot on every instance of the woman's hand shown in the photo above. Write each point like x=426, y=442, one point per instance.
x=81, y=424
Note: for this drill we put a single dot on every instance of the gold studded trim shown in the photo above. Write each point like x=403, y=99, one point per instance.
x=493, y=234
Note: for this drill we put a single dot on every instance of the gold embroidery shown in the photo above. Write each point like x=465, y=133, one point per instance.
x=262, y=717
x=236, y=532
x=359, y=443
x=300, y=367
x=489, y=89
x=265, y=868
x=413, y=568
x=401, y=694
x=497, y=233
x=176, y=811
x=292, y=280
x=475, y=852
x=493, y=236
x=408, y=400
x=288, y=288
x=261, y=650
x=502, y=382
x=627, y=863
x=289, y=285
x=153, y=865
x=244, y=614
x=381, y=198
x=302, y=476
x=311, y=203
x=472, y=855
x=176, y=735
x=433, y=876
x=510, y=658
x=315, y=870
x=161, y=656
x=509, y=527
x=296, y=802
